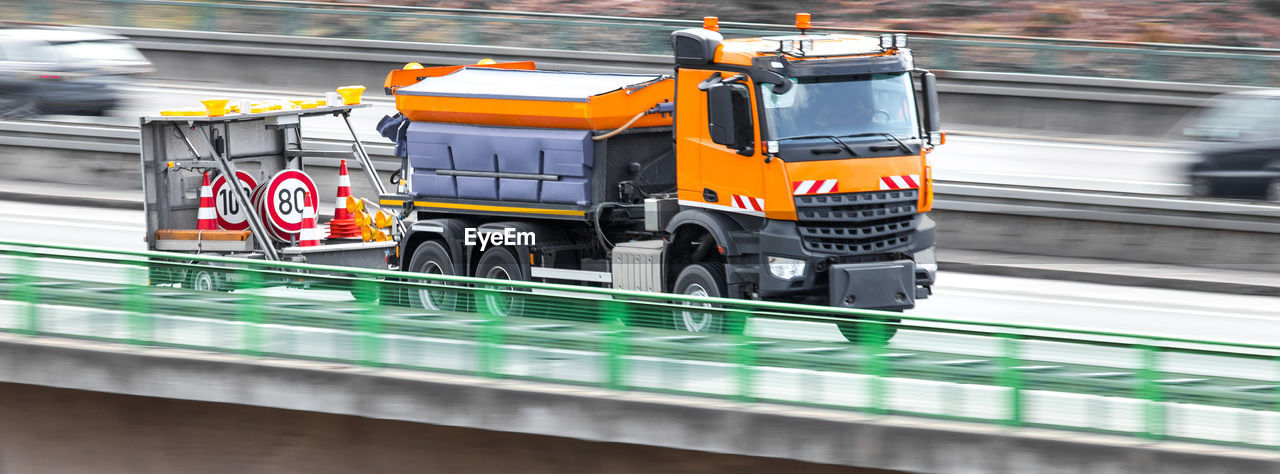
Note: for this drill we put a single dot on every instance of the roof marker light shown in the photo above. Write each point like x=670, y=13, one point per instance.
x=900, y=40
x=886, y=41
x=802, y=22
x=711, y=23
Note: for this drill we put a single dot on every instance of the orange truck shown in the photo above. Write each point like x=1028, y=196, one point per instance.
x=790, y=168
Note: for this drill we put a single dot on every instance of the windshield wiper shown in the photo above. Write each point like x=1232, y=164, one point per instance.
x=901, y=145
x=829, y=137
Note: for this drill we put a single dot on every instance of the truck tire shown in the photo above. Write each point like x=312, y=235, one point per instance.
x=499, y=263
x=432, y=258
x=852, y=331
x=705, y=279
x=205, y=280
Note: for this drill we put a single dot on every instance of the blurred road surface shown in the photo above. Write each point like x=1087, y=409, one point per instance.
x=970, y=297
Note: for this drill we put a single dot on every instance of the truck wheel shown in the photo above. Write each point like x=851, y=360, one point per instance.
x=704, y=279
x=203, y=280
x=432, y=258
x=498, y=263
x=852, y=331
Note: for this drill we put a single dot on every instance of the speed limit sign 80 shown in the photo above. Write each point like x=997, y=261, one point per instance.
x=286, y=197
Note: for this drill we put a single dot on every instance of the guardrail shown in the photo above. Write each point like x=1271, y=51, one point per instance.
x=952, y=196
x=948, y=51
x=1009, y=374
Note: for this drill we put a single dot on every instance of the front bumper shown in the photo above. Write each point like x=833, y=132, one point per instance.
x=889, y=281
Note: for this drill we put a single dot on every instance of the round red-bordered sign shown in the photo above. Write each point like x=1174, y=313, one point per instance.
x=260, y=206
x=232, y=215
x=285, y=197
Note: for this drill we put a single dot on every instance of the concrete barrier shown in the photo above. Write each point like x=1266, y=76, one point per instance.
x=536, y=408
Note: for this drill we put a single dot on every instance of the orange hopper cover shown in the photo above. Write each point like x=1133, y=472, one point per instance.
x=530, y=98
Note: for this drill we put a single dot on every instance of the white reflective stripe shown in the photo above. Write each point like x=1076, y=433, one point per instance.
x=897, y=180
x=719, y=207
x=206, y=213
x=804, y=186
x=759, y=204
x=340, y=203
x=344, y=181
x=884, y=186
x=916, y=179
x=734, y=199
x=826, y=186
x=206, y=191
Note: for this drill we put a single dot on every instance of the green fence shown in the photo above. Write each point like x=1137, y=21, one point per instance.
x=1146, y=61
x=1016, y=375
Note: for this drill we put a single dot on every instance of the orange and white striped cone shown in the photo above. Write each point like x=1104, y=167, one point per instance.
x=342, y=226
x=310, y=235
x=207, y=216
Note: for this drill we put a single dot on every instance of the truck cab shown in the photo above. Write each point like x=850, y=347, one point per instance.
x=812, y=150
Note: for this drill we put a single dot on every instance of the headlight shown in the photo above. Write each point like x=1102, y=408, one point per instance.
x=786, y=268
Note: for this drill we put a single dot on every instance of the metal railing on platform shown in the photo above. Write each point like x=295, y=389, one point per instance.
x=946, y=51
x=1017, y=375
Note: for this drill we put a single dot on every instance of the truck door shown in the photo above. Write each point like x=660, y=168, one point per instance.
x=718, y=145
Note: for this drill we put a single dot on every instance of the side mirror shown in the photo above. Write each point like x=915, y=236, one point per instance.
x=778, y=84
x=932, y=116
x=729, y=114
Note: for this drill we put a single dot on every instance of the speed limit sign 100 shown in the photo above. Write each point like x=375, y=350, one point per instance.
x=286, y=196
x=232, y=214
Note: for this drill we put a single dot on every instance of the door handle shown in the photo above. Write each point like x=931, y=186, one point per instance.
x=709, y=196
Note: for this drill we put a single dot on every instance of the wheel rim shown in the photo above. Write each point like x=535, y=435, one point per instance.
x=434, y=300
x=696, y=321
x=203, y=281
x=498, y=304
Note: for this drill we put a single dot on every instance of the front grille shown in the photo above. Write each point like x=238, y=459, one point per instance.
x=857, y=223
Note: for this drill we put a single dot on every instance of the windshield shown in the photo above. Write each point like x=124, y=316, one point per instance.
x=1236, y=118
x=842, y=106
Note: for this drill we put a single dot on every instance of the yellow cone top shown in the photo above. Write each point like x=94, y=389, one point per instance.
x=216, y=107
x=350, y=94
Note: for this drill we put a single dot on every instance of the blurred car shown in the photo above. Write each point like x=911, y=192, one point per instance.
x=1237, y=138
x=64, y=71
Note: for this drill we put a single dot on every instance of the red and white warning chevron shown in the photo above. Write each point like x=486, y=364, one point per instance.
x=748, y=203
x=207, y=216
x=815, y=186
x=906, y=181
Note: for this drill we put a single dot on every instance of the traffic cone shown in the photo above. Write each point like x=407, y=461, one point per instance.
x=207, y=216
x=310, y=235
x=342, y=226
